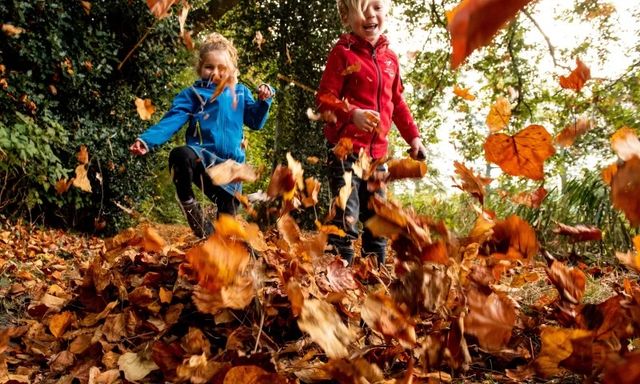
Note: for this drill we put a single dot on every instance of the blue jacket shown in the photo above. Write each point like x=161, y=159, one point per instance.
x=215, y=127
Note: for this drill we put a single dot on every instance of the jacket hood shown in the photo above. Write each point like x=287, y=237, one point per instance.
x=351, y=40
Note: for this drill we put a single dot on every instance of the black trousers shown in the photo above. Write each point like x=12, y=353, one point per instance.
x=187, y=169
x=356, y=210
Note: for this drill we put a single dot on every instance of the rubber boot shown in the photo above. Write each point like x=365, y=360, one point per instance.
x=199, y=224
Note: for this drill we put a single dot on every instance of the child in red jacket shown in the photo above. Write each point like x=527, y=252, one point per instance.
x=361, y=86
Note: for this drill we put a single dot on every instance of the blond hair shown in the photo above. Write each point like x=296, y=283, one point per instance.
x=216, y=42
x=344, y=6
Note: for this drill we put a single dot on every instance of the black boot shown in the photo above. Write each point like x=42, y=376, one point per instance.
x=199, y=224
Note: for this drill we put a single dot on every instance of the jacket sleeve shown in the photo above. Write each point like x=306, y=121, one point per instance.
x=330, y=89
x=255, y=112
x=401, y=113
x=179, y=113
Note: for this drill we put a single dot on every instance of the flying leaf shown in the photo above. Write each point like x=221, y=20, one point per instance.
x=343, y=149
x=345, y=191
x=160, y=8
x=625, y=143
x=323, y=324
x=608, y=173
x=86, y=6
x=63, y=186
x=258, y=40
x=463, y=93
x=312, y=188
x=490, y=318
x=83, y=155
x=471, y=183
x=406, y=168
x=145, y=108
x=230, y=171
x=570, y=133
x=328, y=100
x=473, y=23
x=570, y=282
x=518, y=236
x=151, y=240
x=182, y=17
x=281, y=182
x=577, y=77
x=631, y=259
x=625, y=189
x=82, y=179
x=353, y=68
x=340, y=277
x=383, y=314
x=556, y=346
x=11, y=30
x=134, y=366
x=530, y=199
x=523, y=154
x=579, y=232
x=327, y=116
x=499, y=115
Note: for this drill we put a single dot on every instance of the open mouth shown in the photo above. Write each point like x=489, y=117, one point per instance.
x=370, y=27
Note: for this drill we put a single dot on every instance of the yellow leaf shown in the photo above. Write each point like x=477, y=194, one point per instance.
x=145, y=108
x=499, y=115
x=11, y=30
x=82, y=179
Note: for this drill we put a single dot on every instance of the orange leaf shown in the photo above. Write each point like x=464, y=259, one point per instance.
x=323, y=324
x=83, y=155
x=343, y=149
x=145, y=108
x=384, y=315
x=63, y=185
x=86, y=6
x=570, y=282
x=530, y=199
x=406, y=168
x=625, y=143
x=556, y=346
x=522, y=154
x=471, y=183
x=625, y=189
x=160, y=8
x=82, y=179
x=230, y=171
x=312, y=189
x=630, y=259
x=58, y=323
x=499, y=115
x=577, y=77
x=579, y=232
x=332, y=102
x=282, y=182
x=353, y=68
x=473, y=23
x=187, y=41
x=570, y=133
x=490, y=318
x=608, y=173
x=151, y=240
x=11, y=30
x=463, y=93
x=518, y=236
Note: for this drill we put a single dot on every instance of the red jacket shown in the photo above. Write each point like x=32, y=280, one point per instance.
x=375, y=85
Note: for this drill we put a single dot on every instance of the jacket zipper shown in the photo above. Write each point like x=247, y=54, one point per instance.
x=379, y=89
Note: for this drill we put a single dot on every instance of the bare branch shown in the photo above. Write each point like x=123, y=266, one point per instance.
x=552, y=49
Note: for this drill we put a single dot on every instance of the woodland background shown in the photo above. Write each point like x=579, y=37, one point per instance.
x=523, y=287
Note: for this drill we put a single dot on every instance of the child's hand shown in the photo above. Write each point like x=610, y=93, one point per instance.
x=417, y=151
x=366, y=119
x=264, y=92
x=137, y=148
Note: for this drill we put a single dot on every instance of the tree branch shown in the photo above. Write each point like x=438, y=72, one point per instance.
x=552, y=49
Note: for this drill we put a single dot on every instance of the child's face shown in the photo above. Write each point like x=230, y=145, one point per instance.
x=369, y=23
x=215, y=66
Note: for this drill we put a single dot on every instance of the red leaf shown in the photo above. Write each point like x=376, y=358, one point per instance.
x=579, y=232
x=577, y=77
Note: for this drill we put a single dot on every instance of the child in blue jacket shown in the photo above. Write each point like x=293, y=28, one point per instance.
x=216, y=108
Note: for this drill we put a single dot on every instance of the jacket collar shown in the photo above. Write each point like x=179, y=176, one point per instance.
x=352, y=40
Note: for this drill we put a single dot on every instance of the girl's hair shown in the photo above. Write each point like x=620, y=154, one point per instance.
x=217, y=42
x=355, y=5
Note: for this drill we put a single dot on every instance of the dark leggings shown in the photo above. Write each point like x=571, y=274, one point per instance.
x=357, y=210
x=186, y=169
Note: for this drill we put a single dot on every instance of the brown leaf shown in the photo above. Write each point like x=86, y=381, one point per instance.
x=530, y=199
x=230, y=171
x=320, y=320
x=556, y=347
x=625, y=143
x=83, y=155
x=579, y=232
x=195, y=342
x=570, y=133
x=340, y=277
x=82, y=179
x=626, y=371
x=59, y=323
x=406, y=168
x=515, y=237
x=343, y=149
x=631, y=259
x=490, y=318
x=151, y=240
x=577, y=77
x=471, y=183
x=198, y=369
x=382, y=314
x=312, y=188
x=281, y=183
x=473, y=23
x=160, y=8
x=63, y=185
x=11, y=30
x=135, y=367
x=522, y=154
x=625, y=189
x=570, y=282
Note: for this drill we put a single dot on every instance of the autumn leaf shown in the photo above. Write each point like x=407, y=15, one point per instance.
x=491, y=319
x=312, y=189
x=579, y=232
x=570, y=282
x=86, y=6
x=182, y=17
x=353, y=68
x=577, y=77
x=625, y=189
x=59, y=323
x=530, y=199
x=626, y=371
x=340, y=277
x=556, y=346
x=258, y=40
x=63, y=185
x=230, y=171
x=327, y=116
x=343, y=149
x=523, y=154
x=187, y=40
x=473, y=23
x=625, y=143
x=323, y=324
x=329, y=101
x=406, y=168
x=11, y=30
x=572, y=132
x=608, y=173
x=499, y=115
x=151, y=240
x=345, y=191
x=160, y=8
x=471, y=183
x=145, y=108
x=463, y=93
x=382, y=314
x=516, y=238
x=281, y=182
x=631, y=259
x=82, y=179
x=135, y=367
